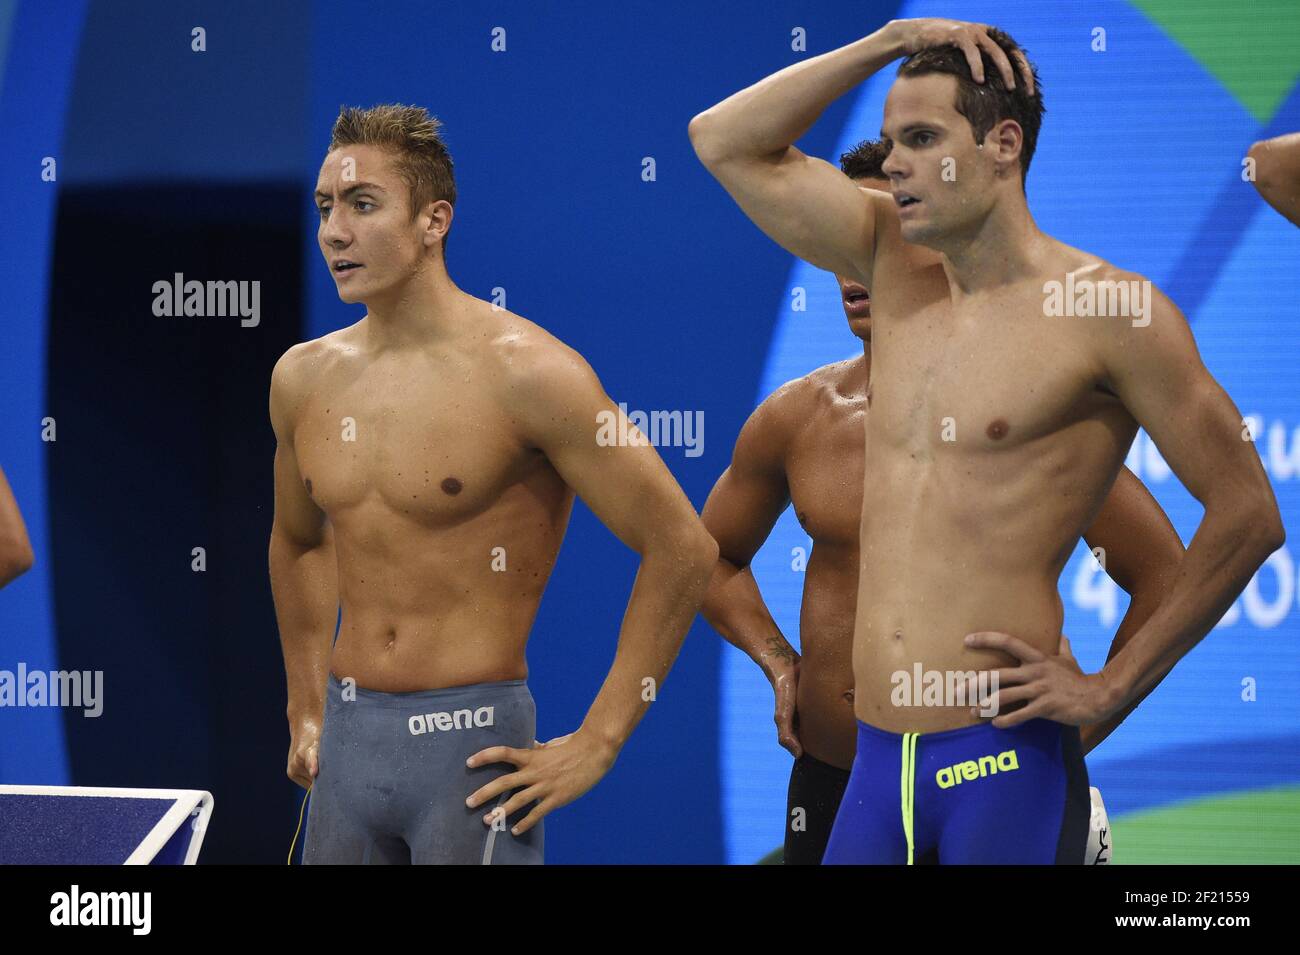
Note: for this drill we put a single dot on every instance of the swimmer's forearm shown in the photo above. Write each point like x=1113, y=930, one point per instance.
x=1094, y=734
x=735, y=608
x=775, y=112
x=1146, y=599
x=1230, y=545
x=304, y=586
x=666, y=596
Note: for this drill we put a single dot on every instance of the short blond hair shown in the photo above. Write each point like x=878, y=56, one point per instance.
x=410, y=134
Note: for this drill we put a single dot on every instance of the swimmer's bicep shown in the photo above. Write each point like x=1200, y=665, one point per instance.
x=752, y=492
x=630, y=489
x=1157, y=372
x=740, y=515
x=283, y=391
x=562, y=410
x=296, y=515
x=760, y=449
x=808, y=207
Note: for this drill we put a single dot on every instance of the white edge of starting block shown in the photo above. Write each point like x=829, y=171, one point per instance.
x=188, y=802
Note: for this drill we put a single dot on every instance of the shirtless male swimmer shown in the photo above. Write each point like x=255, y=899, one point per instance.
x=997, y=425
x=804, y=446
x=426, y=464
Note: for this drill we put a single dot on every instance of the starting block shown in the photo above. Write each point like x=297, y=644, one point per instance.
x=91, y=825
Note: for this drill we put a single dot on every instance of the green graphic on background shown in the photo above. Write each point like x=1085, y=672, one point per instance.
x=1250, y=48
x=1260, y=827
x=7, y=10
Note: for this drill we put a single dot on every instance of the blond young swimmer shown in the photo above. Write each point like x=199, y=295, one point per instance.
x=427, y=461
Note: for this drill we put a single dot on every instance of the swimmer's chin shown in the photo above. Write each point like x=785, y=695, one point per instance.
x=917, y=234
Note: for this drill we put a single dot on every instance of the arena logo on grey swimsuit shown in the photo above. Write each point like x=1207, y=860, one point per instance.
x=444, y=721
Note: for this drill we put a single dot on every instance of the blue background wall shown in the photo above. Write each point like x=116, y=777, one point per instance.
x=168, y=156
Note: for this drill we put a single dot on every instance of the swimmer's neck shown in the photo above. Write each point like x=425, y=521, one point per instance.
x=859, y=372
x=426, y=309
x=1006, y=247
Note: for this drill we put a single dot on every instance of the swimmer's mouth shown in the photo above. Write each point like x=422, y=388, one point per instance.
x=857, y=301
x=904, y=200
x=344, y=265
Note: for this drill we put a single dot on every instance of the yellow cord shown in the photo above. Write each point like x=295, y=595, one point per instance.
x=908, y=789
x=301, y=811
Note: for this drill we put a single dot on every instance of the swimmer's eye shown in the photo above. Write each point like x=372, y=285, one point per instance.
x=323, y=211
x=923, y=139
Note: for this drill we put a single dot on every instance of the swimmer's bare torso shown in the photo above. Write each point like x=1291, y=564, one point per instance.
x=446, y=521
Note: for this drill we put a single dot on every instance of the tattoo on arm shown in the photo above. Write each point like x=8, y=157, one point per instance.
x=778, y=648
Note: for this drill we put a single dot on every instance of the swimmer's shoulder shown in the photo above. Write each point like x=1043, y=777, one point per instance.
x=528, y=364
x=522, y=347
x=813, y=393
x=1148, y=325
x=794, y=408
x=1085, y=265
x=303, y=366
x=308, y=359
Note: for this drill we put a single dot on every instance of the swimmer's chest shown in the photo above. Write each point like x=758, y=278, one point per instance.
x=994, y=378
x=427, y=446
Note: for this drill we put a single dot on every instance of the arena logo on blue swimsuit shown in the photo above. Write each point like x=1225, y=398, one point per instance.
x=971, y=770
x=1227, y=261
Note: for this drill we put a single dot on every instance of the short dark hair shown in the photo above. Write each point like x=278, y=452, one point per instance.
x=988, y=103
x=865, y=160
